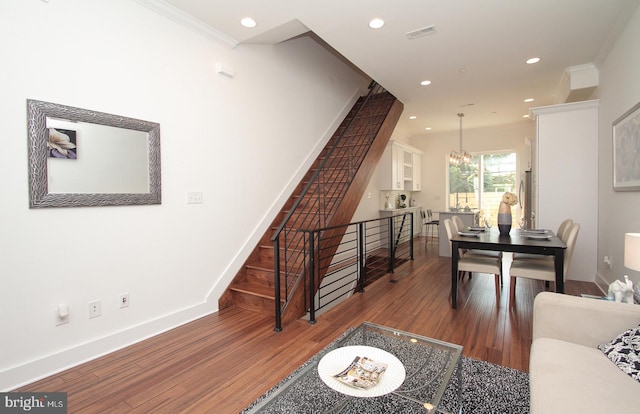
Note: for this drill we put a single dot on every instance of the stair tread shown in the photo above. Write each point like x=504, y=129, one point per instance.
x=257, y=289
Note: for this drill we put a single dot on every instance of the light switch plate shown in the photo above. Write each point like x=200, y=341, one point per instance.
x=194, y=197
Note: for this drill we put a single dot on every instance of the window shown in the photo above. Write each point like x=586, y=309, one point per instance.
x=481, y=184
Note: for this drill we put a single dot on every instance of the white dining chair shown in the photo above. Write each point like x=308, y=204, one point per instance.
x=458, y=225
x=457, y=221
x=563, y=229
x=563, y=232
x=471, y=264
x=542, y=269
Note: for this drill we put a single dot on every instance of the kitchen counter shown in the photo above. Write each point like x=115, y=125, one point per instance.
x=417, y=220
x=400, y=209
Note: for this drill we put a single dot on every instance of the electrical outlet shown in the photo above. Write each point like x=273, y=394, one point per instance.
x=95, y=309
x=124, y=300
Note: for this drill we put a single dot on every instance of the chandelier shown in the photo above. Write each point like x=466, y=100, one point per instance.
x=462, y=156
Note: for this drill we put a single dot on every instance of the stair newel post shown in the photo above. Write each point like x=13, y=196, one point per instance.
x=392, y=250
x=362, y=265
x=276, y=283
x=312, y=275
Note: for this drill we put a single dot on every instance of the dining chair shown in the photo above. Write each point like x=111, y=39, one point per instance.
x=458, y=222
x=563, y=229
x=477, y=264
x=543, y=268
x=459, y=226
x=562, y=234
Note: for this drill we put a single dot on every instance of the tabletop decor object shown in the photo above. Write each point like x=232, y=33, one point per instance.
x=632, y=259
x=621, y=291
x=504, y=213
x=402, y=201
x=339, y=371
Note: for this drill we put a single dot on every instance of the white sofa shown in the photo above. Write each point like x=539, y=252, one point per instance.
x=567, y=371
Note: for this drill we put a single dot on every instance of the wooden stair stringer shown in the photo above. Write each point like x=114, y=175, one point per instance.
x=296, y=307
x=262, y=299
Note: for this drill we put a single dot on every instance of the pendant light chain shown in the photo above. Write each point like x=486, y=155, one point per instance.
x=461, y=157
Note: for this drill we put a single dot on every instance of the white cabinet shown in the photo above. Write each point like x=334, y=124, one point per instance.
x=566, y=177
x=417, y=172
x=400, y=168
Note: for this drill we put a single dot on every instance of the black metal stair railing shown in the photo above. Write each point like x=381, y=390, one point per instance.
x=332, y=175
x=353, y=257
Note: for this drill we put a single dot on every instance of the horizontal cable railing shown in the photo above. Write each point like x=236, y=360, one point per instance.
x=352, y=255
x=323, y=191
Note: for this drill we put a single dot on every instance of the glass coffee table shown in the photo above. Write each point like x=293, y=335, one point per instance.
x=423, y=375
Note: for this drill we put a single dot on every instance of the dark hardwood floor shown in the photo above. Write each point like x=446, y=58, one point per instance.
x=222, y=362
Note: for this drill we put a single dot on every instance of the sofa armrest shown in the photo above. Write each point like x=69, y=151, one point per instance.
x=583, y=321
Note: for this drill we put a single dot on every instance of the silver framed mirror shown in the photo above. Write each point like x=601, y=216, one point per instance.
x=84, y=158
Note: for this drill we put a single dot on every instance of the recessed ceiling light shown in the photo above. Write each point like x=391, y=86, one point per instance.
x=428, y=128
x=425, y=82
x=533, y=60
x=525, y=116
x=412, y=117
x=529, y=100
x=248, y=22
x=376, y=23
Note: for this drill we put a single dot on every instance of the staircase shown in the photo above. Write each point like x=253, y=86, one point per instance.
x=328, y=195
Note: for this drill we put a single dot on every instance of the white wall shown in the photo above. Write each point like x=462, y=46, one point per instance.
x=619, y=212
x=566, y=180
x=243, y=142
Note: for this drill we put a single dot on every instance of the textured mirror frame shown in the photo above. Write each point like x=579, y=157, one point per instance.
x=39, y=196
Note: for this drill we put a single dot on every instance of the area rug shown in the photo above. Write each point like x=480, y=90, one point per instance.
x=486, y=389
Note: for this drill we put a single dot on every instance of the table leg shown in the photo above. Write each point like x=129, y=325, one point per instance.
x=454, y=274
x=559, y=261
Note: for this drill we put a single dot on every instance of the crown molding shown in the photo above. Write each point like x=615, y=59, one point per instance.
x=625, y=16
x=172, y=13
x=565, y=107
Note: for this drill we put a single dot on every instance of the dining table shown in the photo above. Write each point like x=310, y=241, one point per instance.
x=517, y=241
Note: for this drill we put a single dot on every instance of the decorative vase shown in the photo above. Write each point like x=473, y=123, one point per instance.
x=504, y=218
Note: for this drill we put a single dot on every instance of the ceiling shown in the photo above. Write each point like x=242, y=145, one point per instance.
x=475, y=59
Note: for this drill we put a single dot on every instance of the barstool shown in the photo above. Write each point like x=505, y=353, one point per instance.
x=430, y=224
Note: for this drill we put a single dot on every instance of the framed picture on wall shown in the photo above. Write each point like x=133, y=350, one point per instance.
x=626, y=151
x=62, y=144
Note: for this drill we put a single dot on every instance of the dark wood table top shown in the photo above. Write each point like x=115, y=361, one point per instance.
x=517, y=241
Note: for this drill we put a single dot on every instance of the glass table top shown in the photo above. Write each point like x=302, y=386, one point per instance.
x=432, y=382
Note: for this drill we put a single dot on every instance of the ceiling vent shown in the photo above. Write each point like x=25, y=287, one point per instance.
x=414, y=34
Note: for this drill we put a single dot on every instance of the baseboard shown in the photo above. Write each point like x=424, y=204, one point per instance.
x=40, y=368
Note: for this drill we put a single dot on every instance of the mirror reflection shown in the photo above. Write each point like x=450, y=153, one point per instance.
x=90, y=158
x=79, y=157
